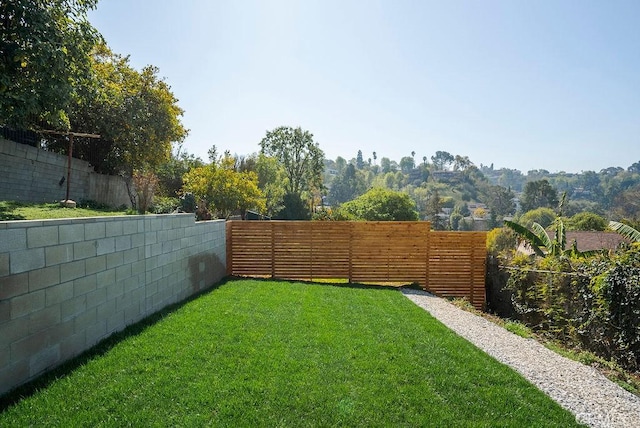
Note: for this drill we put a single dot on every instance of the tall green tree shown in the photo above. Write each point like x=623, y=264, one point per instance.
x=442, y=160
x=407, y=164
x=347, y=186
x=135, y=113
x=500, y=201
x=170, y=173
x=461, y=163
x=44, y=55
x=359, y=160
x=271, y=179
x=538, y=194
x=300, y=156
x=433, y=209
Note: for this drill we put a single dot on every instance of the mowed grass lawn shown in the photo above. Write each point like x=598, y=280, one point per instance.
x=269, y=353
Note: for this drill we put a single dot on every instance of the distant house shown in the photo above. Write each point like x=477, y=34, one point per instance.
x=590, y=240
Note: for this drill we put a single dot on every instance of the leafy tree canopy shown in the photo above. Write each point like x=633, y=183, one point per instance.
x=44, y=55
x=587, y=221
x=381, y=205
x=300, y=156
x=135, y=113
x=442, y=160
x=225, y=189
x=347, y=186
x=407, y=163
x=538, y=194
x=543, y=216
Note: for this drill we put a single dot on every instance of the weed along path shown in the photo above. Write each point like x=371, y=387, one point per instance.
x=289, y=354
x=585, y=392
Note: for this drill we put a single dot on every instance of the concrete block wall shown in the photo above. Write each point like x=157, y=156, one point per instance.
x=30, y=174
x=67, y=284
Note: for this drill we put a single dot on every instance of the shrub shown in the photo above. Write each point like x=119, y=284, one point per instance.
x=188, y=203
x=587, y=221
x=146, y=184
x=501, y=240
x=164, y=205
x=543, y=216
x=592, y=303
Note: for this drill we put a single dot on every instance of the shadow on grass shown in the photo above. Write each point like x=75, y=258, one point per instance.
x=7, y=208
x=335, y=282
x=30, y=388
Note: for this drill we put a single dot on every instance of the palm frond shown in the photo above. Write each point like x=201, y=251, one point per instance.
x=625, y=230
x=534, y=241
x=539, y=231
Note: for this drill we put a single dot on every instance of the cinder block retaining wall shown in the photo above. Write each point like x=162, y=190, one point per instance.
x=67, y=284
x=34, y=175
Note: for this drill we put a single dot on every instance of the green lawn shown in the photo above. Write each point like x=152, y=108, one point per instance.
x=10, y=210
x=268, y=353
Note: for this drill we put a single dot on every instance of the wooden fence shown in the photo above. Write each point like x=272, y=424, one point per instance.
x=450, y=264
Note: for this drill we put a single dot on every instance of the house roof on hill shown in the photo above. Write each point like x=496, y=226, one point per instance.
x=586, y=240
x=590, y=240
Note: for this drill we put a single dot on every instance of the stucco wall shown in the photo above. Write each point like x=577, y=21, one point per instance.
x=34, y=175
x=67, y=284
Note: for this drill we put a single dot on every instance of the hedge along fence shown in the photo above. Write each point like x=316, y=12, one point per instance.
x=448, y=264
x=593, y=304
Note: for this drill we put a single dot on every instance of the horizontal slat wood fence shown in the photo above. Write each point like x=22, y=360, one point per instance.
x=449, y=264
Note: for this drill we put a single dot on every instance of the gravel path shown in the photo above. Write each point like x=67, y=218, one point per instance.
x=595, y=400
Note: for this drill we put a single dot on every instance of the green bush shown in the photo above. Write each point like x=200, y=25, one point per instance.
x=593, y=304
x=501, y=240
x=188, y=203
x=164, y=205
x=543, y=216
x=587, y=221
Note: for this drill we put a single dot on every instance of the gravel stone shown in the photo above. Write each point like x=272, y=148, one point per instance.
x=591, y=397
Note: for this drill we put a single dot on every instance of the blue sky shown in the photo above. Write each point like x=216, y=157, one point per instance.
x=521, y=84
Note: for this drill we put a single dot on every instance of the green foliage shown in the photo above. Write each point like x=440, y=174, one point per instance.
x=347, y=186
x=500, y=201
x=329, y=214
x=407, y=164
x=432, y=210
x=188, y=203
x=592, y=303
x=381, y=205
x=225, y=189
x=294, y=208
x=271, y=180
x=543, y=216
x=170, y=173
x=44, y=50
x=501, y=240
x=587, y=221
x=538, y=194
x=535, y=241
x=542, y=245
x=442, y=160
x=298, y=154
x=164, y=205
x=627, y=231
x=135, y=113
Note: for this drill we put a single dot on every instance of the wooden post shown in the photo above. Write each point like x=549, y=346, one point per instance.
x=229, y=241
x=66, y=198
